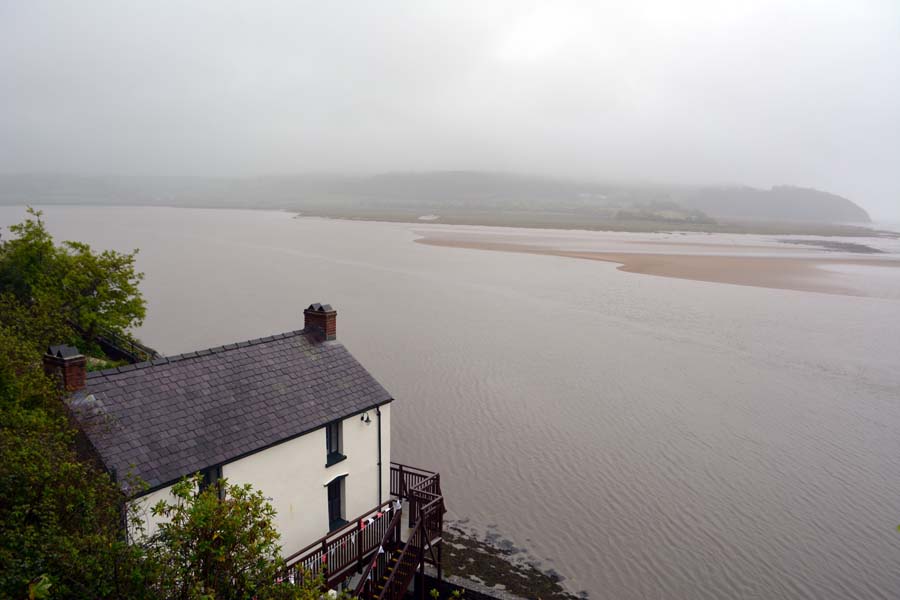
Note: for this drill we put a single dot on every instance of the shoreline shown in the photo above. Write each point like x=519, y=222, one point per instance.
x=500, y=567
x=520, y=220
x=575, y=222
x=778, y=272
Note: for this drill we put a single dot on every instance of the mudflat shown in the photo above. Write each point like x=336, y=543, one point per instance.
x=720, y=263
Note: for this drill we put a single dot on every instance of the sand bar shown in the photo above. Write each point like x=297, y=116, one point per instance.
x=731, y=264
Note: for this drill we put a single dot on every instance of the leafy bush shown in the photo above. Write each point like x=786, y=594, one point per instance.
x=210, y=546
x=89, y=290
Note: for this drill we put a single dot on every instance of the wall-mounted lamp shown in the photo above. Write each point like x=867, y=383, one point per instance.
x=365, y=418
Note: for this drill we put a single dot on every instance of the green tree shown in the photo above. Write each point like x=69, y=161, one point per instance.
x=71, y=282
x=220, y=543
x=96, y=289
x=33, y=325
x=27, y=258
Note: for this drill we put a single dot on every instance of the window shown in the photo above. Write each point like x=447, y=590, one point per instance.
x=211, y=476
x=334, y=443
x=336, y=504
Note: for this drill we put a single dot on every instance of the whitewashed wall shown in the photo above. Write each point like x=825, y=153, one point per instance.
x=142, y=506
x=293, y=475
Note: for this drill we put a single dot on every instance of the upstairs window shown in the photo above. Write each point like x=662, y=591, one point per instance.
x=334, y=443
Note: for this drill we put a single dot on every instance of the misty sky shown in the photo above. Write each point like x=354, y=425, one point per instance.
x=752, y=92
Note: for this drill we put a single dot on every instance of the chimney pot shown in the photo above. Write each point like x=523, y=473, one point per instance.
x=322, y=319
x=67, y=365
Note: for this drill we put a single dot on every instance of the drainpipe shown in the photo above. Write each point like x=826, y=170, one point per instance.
x=378, y=414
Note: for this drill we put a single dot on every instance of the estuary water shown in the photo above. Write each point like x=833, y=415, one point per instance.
x=645, y=437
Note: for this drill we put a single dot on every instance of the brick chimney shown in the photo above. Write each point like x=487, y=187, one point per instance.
x=67, y=365
x=323, y=318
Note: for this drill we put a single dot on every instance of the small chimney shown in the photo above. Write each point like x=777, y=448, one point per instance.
x=323, y=318
x=67, y=365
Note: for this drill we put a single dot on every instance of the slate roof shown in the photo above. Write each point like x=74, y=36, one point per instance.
x=173, y=416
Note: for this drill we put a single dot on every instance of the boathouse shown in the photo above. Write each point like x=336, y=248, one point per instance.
x=296, y=416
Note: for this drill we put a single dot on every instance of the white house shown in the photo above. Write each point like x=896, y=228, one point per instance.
x=294, y=415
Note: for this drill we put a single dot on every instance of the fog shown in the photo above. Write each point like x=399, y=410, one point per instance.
x=759, y=92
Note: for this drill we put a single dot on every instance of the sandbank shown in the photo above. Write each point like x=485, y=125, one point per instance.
x=804, y=273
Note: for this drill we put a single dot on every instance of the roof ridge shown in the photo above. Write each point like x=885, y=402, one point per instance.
x=164, y=360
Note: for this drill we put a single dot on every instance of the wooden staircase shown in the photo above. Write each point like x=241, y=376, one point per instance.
x=382, y=564
x=388, y=573
x=422, y=490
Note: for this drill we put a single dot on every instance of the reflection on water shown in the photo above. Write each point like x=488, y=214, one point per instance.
x=646, y=437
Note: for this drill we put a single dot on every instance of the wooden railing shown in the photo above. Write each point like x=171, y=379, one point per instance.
x=405, y=477
x=345, y=549
x=419, y=487
x=126, y=348
x=117, y=346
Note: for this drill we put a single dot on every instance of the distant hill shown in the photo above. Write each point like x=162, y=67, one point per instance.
x=781, y=203
x=444, y=191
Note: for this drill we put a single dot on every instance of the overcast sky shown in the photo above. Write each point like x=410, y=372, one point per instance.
x=754, y=92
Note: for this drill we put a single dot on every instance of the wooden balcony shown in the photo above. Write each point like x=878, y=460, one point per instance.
x=344, y=551
x=371, y=544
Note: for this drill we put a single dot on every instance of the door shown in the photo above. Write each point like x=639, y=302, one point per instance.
x=335, y=505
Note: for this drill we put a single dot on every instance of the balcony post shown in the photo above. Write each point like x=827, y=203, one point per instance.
x=324, y=559
x=359, y=547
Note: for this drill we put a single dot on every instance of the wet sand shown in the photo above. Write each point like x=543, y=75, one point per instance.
x=780, y=272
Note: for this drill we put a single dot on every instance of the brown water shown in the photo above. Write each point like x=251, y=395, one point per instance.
x=646, y=437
